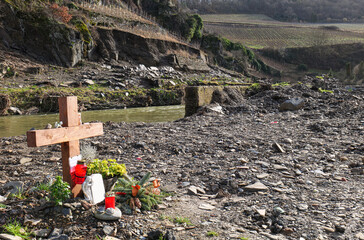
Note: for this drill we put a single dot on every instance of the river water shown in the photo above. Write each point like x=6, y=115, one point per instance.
x=18, y=125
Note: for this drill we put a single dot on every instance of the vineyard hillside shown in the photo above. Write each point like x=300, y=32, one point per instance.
x=259, y=31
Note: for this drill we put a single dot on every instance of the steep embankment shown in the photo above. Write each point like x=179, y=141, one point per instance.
x=39, y=33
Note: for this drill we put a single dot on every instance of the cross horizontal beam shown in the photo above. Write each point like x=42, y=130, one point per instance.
x=37, y=138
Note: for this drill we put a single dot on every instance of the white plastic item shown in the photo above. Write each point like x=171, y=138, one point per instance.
x=93, y=188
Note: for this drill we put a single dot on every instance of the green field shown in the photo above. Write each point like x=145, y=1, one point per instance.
x=260, y=31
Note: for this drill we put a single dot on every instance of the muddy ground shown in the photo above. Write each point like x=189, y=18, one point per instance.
x=309, y=163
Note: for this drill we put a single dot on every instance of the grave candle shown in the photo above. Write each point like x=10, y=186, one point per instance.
x=80, y=172
x=110, y=200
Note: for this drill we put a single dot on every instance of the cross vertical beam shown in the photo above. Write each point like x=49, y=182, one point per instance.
x=68, y=114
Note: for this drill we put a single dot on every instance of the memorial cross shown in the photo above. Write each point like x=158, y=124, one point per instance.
x=68, y=135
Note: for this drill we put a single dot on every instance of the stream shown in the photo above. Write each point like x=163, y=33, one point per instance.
x=18, y=125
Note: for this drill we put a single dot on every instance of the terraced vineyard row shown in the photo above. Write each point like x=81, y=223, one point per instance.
x=259, y=32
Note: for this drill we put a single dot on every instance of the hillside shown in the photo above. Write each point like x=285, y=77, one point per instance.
x=286, y=10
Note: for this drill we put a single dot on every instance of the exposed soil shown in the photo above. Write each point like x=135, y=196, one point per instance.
x=310, y=161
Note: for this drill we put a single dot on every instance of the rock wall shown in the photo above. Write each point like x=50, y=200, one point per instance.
x=198, y=96
x=40, y=37
x=112, y=44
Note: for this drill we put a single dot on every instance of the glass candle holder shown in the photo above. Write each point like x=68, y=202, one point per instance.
x=110, y=200
x=79, y=173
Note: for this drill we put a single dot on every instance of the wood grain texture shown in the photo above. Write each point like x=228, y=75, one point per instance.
x=37, y=138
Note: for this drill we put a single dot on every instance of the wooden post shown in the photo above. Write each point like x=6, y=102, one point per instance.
x=69, y=135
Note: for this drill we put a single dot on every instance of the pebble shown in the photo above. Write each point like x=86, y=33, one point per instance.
x=328, y=229
x=302, y=207
x=206, y=206
x=108, y=215
x=9, y=237
x=261, y=176
x=360, y=236
x=261, y=212
x=258, y=186
x=25, y=160
x=196, y=190
x=108, y=230
x=43, y=233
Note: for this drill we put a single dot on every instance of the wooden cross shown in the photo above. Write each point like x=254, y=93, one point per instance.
x=69, y=135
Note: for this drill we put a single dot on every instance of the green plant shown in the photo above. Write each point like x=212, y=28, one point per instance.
x=107, y=168
x=19, y=194
x=60, y=191
x=282, y=84
x=182, y=220
x=3, y=205
x=16, y=229
x=43, y=187
x=134, y=194
x=244, y=238
x=325, y=91
x=212, y=234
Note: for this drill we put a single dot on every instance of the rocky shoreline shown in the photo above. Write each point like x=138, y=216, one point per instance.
x=248, y=171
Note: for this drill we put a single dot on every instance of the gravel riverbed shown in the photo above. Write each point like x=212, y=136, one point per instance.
x=259, y=173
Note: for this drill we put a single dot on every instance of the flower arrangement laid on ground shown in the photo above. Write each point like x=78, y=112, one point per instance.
x=132, y=194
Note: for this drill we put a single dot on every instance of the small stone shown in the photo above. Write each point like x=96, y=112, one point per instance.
x=185, y=184
x=263, y=175
x=243, y=160
x=196, y=190
x=32, y=222
x=25, y=160
x=9, y=237
x=272, y=237
x=111, y=238
x=161, y=207
x=108, y=230
x=280, y=167
x=258, y=186
x=343, y=159
x=287, y=231
x=360, y=236
x=302, y=207
x=328, y=229
x=108, y=215
x=278, y=147
x=206, y=206
x=89, y=82
x=43, y=233
x=178, y=229
x=2, y=199
x=261, y=212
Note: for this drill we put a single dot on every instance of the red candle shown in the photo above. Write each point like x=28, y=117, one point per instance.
x=110, y=200
x=79, y=173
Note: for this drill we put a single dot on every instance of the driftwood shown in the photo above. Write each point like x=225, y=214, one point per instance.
x=4, y=104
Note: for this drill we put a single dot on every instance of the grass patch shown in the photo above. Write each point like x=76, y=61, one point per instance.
x=325, y=91
x=281, y=84
x=3, y=205
x=43, y=187
x=16, y=229
x=212, y=234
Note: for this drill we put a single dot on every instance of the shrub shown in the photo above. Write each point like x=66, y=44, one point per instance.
x=107, y=168
x=302, y=68
x=60, y=13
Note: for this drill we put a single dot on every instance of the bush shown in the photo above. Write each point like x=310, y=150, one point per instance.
x=302, y=68
x=60, y=13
